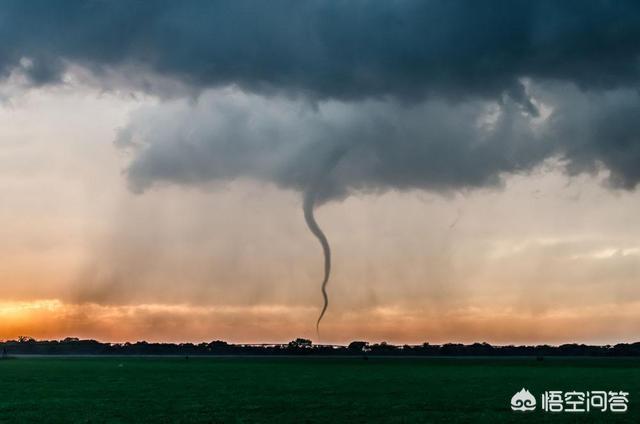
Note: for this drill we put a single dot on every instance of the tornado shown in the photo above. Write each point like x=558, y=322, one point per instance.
x=308, y=206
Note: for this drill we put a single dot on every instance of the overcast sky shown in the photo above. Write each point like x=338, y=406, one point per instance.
x=473, y=167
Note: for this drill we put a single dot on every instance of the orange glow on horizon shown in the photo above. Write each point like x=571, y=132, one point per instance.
x=54, y=319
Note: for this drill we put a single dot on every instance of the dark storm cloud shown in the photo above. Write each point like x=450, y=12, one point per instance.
x=339, y=49
x=392, y=66
x=228, y=134
x=602, y=130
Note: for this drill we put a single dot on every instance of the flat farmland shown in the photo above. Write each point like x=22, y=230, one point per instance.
x=299, y=390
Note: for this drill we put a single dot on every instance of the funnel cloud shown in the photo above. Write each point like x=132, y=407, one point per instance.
x=309, y=203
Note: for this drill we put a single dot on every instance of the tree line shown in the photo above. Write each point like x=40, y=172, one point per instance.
x=300, y=346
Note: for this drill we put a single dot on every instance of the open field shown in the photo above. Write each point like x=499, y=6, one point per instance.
x=277, y=390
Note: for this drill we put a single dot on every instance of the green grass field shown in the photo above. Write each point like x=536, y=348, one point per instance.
x=298, y=390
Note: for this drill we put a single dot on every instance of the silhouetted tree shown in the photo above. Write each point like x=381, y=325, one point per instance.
x=358, y=346
x=300, y=344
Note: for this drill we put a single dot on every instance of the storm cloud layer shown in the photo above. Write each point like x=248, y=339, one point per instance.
x=229, y=134
x=336, y=49
x=434, y=94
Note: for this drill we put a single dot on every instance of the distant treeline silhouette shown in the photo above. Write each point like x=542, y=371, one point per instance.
x=75, y=346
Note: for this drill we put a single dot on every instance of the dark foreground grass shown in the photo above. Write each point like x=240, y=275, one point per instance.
x=299, y=390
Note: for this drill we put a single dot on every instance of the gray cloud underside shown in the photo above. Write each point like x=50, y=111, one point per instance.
x=419, y=94
x=227, y=135
x=433, y=145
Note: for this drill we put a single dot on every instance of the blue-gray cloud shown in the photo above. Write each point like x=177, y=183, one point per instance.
x=414, y=80
x=338, y=49
x=228, y=134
